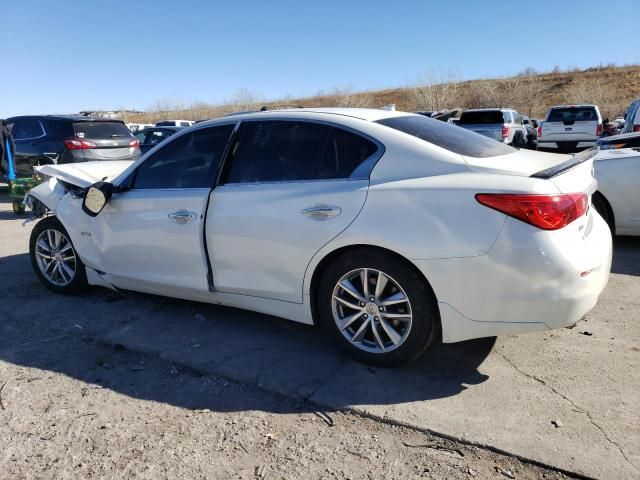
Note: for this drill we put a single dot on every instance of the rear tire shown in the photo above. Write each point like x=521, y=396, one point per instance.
x=385, y=326
x=602, y=206
x=54, y=258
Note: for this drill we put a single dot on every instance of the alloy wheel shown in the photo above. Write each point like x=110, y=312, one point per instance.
x=55, y=257
x=371, y=310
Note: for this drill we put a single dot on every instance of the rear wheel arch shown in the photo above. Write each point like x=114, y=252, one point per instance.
x=602, y=205
x=331, y=256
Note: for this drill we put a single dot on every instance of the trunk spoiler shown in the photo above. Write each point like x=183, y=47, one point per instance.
x=575, y=160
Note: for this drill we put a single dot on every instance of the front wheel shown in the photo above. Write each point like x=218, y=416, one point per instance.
x=377, y=308
x=54, y=258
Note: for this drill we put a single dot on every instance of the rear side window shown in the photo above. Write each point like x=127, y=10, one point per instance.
x=572, y=114
x=59, y=129
x=482, y=117
x=27, y=128
x=280, y=151
x=101, y=130
x=450, y=137
x=189, y=161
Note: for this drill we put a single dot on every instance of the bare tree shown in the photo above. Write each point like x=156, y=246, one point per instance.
x=344, y=96
x=437, y=90
x=598, y=92
x=245, y=100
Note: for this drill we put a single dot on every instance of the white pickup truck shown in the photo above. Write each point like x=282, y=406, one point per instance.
x=568, y=127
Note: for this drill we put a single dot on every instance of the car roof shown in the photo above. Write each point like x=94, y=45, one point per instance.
x=577, y=105
x=71, y=118
x=368, y=114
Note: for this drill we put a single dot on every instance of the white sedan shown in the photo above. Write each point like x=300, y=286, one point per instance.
x=389, y=229
x=617, y=169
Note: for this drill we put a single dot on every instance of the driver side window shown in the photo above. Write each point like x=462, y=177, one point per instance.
x=189, y=161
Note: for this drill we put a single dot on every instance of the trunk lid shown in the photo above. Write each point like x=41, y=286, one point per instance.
x=84, y=174
x=569, y=173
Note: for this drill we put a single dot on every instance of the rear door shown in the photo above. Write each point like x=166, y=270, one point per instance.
x=30, y=138
x=288, y=188
x=112, y=140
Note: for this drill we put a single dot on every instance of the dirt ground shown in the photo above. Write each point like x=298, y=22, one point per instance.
x=55, y=426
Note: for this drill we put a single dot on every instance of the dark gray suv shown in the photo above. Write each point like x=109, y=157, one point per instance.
x=56, y=139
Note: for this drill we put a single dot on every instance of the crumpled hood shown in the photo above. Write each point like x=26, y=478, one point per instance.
x=85, y=174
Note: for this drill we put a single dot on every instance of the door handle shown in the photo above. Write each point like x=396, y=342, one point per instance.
x=321, y=212
x=182, y=216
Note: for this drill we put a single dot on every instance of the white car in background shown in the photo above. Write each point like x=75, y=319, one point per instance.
x=385, y=227
x=175, y=123
x=568, y=127
x=617, y=169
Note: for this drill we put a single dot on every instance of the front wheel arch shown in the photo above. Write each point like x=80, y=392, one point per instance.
x=331, y=256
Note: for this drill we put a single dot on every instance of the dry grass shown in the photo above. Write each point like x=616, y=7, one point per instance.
x=611, y=88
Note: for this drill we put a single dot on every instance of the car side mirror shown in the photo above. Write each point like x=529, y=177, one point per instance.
x=96, y=198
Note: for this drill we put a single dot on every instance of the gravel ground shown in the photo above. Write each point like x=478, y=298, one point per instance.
x=177, y=423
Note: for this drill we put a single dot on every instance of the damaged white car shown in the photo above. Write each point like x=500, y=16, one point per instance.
x=387, y=228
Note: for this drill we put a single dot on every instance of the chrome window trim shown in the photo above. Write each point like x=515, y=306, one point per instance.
x=44, y=133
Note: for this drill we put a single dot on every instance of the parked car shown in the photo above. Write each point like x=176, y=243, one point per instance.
x=150, y=137
x=503, y=125
x=58, y=139
x=531, y=128
x=632, y=117
x=135, y=127
x=175, y=123
x=568, y=127
x=384, y=227
x=617, y=169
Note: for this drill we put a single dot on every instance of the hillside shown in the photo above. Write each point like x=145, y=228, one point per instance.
x=611, y=88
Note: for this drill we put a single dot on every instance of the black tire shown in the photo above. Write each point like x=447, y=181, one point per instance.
x=604, y=209
x=78, y=282
x=423, y=305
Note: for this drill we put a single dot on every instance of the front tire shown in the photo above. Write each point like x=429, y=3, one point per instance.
x=54, y=258
x=377, y=308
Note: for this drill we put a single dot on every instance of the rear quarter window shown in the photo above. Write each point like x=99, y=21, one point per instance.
x=101, y=130
x=450, y=137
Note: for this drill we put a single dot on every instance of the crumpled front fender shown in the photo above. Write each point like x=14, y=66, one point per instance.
x=49, y=193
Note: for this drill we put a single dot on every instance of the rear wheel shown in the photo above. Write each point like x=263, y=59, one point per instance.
x=54, y=258
x=377, y=308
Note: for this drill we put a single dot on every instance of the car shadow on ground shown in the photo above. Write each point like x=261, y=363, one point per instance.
x=626, y=255
x=96, y=336
x=180, y=352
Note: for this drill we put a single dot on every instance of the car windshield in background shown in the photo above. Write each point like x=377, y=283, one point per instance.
x=481, y=117
x=572, y=114
x=450, y=137
x=101, y=130
x=165, y=124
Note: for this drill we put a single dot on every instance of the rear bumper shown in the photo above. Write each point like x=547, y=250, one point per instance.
x=531, y=280
x=554, y=144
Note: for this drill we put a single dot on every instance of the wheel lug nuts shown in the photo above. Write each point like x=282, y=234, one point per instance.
x=381, y=308
x=365, y=316
x=362, y=304
x=372, y=299
x=376, y=319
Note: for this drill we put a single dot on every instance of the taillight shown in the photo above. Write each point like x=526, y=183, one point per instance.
x=599, y=130
x=134, y=143
x=548, y=212
x=636, y=128
x=78, y=144
x=539, y=131
x=505, y=131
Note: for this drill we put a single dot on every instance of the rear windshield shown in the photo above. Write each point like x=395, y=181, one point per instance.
x=101, y=130
x=572, y=114
x=451, y=137
x=166, y=124
x=480, y=117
